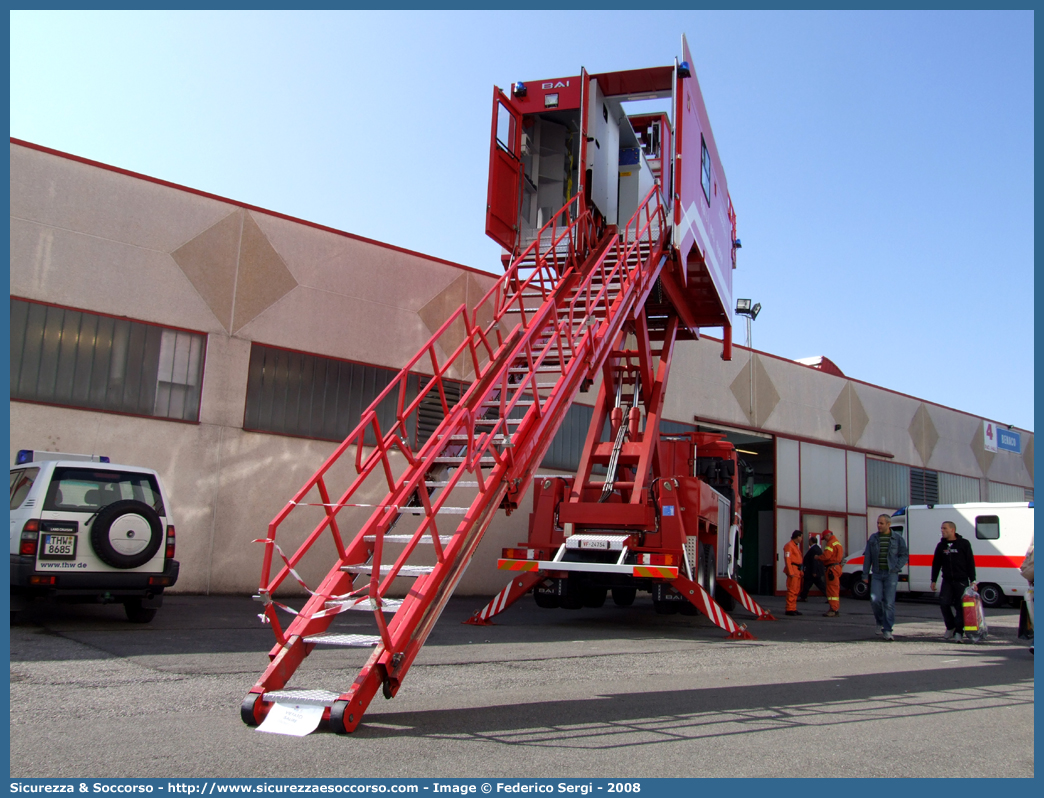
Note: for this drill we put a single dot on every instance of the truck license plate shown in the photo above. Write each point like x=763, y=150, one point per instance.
x=58, y=547
x=595, y=544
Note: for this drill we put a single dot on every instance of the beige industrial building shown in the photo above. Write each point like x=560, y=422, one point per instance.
x=230, y=348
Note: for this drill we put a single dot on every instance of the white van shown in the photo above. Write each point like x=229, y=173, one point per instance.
x=999, y=535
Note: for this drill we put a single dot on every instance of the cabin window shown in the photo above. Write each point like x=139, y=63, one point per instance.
x=505, y=128
x=987, y=527
x=705, y=170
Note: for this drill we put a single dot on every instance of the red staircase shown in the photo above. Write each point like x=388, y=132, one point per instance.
x=545, y=328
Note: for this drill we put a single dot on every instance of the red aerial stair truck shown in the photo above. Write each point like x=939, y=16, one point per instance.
x=619, y=239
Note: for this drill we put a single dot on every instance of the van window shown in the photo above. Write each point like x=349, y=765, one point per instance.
x=86, y=490
x=22, y=480
x=987, y=527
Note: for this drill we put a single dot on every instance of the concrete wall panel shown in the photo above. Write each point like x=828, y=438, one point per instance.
x=54, y=265
x=788, y=485
x=856, y=482
x=823, y=482
x=340, y=326
x=347, y=266
x=77, y=197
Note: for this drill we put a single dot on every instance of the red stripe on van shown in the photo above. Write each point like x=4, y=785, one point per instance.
x=981, y=560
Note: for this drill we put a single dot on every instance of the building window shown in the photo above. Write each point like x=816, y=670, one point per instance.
x=1000, y=492
x=311, y=396
x=924, y=486
x=568, y=443
x=954, y=489
x=705, y=170
x=887, y=484
x=74, y=358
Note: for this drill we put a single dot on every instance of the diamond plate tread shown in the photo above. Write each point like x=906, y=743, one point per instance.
x=406, y=570
x=321, y=698
x=352, y=641
x=443, y=539
x=442, y=510
x=387, y=605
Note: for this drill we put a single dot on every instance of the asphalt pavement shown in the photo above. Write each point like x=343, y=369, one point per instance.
x=609, y=692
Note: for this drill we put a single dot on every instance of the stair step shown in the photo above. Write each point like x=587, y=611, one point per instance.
x=443, y=539
x=405, y=571
x=363, y=603
x=486, y=461
x=496, y=403
x=348, y=641
x=445, y=484
x=316, y=698
x=442, y=510
x=464, y=438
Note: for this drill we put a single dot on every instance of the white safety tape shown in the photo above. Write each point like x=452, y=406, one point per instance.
x=283, y=557
x=344, y=600
x=349, y=504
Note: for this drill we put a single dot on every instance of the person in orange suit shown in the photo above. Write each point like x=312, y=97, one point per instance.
x=833, y=553
x=792, y=570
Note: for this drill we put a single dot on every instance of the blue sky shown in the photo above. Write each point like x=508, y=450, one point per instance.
x=881, y=163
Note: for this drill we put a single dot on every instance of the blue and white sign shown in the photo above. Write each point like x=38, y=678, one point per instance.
x=1009, y=440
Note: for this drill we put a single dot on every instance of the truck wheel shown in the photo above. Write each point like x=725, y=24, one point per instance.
x=860, y=589
x=593, y=597
x=708, y=568
x=624, y=596
x=547, y=601
x=992, y=596
x=573, y=598
x=724, y=599
x=666, y=607
x=137, y=613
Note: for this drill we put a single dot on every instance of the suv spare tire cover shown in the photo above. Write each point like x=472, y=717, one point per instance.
x=126, y=534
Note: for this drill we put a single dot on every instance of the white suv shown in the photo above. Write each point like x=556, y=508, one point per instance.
x=87, y=530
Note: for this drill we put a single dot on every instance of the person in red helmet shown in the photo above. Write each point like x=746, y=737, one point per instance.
x=792, y=570
x=833, y=554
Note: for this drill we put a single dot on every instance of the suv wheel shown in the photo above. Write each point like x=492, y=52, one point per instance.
x=137, y=613
x=126, y=534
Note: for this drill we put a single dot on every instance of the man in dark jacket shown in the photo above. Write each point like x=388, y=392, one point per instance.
x=813, y=572
x=954, y=557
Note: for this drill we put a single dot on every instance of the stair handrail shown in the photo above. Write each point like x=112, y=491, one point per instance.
x=576, y=233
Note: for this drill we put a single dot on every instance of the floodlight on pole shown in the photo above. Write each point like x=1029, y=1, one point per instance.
x=744, y=307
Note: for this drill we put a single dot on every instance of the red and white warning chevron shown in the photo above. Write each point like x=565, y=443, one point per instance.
x=743, y=597
x=516, y=588
x=702, y=600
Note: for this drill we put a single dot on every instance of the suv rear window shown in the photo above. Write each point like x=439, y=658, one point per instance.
x=22, y=480
x=88, y=490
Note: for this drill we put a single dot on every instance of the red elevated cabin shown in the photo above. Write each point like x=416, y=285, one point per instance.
x=556, y=138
